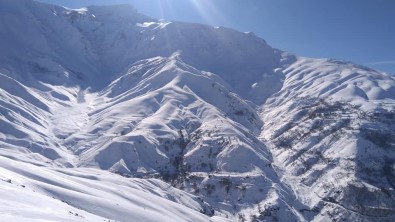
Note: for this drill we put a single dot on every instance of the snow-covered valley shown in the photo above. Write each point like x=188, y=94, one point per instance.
x=107, y=114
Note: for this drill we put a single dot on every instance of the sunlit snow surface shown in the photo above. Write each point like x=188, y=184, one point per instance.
x=107, y=114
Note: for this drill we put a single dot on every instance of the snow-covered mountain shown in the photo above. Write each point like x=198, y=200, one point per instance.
x=107, y=114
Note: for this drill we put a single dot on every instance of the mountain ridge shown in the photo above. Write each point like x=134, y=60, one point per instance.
x=244, y=130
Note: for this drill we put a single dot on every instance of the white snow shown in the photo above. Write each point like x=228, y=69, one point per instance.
x=107, y=114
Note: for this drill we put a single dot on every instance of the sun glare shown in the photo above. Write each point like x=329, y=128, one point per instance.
x=208, y=11
x=165, y=7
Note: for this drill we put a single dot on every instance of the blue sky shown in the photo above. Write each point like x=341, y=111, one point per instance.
x=361, y=31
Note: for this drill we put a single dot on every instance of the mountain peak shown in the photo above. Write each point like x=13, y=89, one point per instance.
x=108, y=114
x=105, y=40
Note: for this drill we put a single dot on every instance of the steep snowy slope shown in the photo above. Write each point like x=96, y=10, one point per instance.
x=31, y=193
x=76, y=46
x=331, y=129
x=37, y=44
x=109, y=110
x=162, y=119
